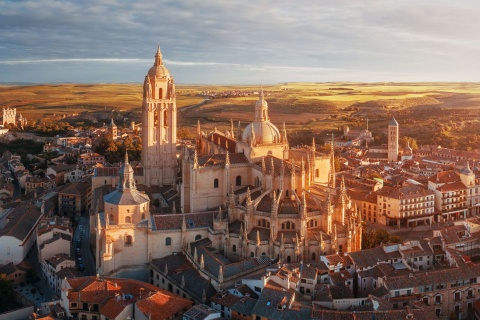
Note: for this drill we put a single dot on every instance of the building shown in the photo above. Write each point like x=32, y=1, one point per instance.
x=75, y=198
x=122, y=299
x=246, y=191
x=405, y=205
x=450, y=195
x=18, y=232
x=9, y=116
x=159, y=121
x=393, y=140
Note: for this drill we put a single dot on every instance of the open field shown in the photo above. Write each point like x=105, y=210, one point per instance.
x=441, y=113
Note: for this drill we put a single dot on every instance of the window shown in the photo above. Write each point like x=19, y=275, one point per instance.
x=313, y=256
x=128, y=240
x=168, y=241
x=198, y=237
x=215, y=183
x=110, y=218
x=128, y=219
x=238, y=181
x=252, y=254
x=143, y=216
x=317, y=173
x=234, y=248
x=165, y=118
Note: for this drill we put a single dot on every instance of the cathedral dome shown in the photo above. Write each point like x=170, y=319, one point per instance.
x=261, y=130
x=264, y=132
x=158, y=72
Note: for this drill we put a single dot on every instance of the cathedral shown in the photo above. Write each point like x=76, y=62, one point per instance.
x=245, y=190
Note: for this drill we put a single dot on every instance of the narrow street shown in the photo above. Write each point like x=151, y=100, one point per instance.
x=87, y=256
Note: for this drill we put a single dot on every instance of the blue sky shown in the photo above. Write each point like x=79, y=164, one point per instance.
x=240, y=42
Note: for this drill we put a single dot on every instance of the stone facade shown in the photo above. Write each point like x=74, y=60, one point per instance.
x=246, y=192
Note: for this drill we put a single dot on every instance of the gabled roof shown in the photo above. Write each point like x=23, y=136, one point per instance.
x=22, y=221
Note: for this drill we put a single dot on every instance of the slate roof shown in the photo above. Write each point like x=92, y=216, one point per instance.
x=179, y=267
x=22, y=221
x=215, y=136
x=200, y=312
x=244, y=305
x=126, y=197
x=196, y=220
x=271, y=301
x=113, y=171
x=263, y=232
x=75, y=188
x=288, y=206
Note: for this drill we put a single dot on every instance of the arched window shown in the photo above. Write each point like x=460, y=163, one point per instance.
x=128, y=219
x=263, y=223
x=289, y=259
x=165, y=118
x=198, y=237
x=286, y=193
x=215, y=183
x=314, y=256
x=340, y=248
x=252, y=254
x=143, y=216
x=160, y=93
x=168, y=241
x=128, y=240
x=288, y=225
x=234, y=248
x=110, y=218
x=317, y=173
x=238, y=181
x=264, y=254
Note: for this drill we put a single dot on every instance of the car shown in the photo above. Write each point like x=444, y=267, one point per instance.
x=80, y=260
x=77, y=250
x=78, y=242
x=80, y=227
x=81, y=267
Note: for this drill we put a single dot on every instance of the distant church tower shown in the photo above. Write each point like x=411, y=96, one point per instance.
x=113, y=130
x=159, y=121
x=393, y=140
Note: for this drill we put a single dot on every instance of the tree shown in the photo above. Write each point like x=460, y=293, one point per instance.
x=7, y=293
x=32, y=276
x=404, y=141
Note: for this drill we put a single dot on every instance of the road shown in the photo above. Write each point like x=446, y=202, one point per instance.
x=88, y=258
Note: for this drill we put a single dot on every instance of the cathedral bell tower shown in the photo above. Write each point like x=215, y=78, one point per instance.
x=159, y=132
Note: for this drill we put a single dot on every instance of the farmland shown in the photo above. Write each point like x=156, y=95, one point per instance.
x=432, y=113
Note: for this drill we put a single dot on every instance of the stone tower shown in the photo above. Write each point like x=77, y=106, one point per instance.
x=113, y=129
x=9, y=116
x=393, y=140
x=159, y=127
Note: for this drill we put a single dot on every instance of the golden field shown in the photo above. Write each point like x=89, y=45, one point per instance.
x=441, y=113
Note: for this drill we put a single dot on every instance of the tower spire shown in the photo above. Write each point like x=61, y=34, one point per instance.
x=158, y=57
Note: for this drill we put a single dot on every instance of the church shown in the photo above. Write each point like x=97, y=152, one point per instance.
x=245, y=190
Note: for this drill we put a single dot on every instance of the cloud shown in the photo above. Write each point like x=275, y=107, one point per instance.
x=372, y=35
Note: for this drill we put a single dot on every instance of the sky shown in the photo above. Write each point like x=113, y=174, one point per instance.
x=240, y=41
